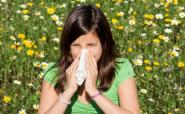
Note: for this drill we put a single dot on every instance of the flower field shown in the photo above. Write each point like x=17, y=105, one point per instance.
x=150, y=33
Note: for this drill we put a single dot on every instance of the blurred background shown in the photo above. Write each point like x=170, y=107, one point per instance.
x=150, y=33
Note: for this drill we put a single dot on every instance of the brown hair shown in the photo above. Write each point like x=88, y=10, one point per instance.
x=81, y=20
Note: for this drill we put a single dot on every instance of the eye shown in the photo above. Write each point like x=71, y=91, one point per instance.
x=92, y=44
x=75, y=45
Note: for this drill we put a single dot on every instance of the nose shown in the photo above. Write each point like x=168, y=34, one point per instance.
x=83, y=46
x=84, y=49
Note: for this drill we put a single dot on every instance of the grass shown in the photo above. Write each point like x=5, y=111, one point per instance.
x=154, y=44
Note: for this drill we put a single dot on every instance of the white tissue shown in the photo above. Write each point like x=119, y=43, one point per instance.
x=81, y=72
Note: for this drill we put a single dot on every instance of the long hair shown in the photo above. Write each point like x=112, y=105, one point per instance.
x=80, y=21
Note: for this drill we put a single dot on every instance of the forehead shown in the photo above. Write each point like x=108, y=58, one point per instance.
x=89, y=37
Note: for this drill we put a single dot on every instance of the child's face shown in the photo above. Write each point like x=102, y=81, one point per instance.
x=88, y=41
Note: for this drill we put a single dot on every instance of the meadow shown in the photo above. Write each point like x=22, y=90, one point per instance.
x=150, y=33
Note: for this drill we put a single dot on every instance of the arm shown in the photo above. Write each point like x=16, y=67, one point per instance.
x=128, y=100
x=128, y=96
x=50, y=102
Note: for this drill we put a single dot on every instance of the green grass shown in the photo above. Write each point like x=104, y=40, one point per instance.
x=165, y=83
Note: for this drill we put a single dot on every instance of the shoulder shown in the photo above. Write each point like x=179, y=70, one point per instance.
x=124, y=70
x=50, y=73
x=123, y=64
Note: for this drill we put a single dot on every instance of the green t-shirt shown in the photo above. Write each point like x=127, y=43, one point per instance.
x=123, y=72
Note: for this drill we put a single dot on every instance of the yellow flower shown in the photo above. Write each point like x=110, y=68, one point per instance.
x=25, y=11
x=114, y=21
x=43, y=38
x=149, y=16
x=161, y=37
x=21, y=36
x=166, y=15
x=119, y=1
x=30, y=52
x=175, y=2
x=165, y=63
x=119, y=27
x=13, y=46
x=167, y=9
x=169, y=113
x=148, y=68
x=97, y=5
x=34, y=46
x=6, y=99
x=28, y=43
x=181, y=64
x=156, y=63
x=30, y=4
x=156, y=41
x=167, y=20
x=19, y=48
x=59, y=28
x=50, y=10
x=130, y=49
x=147, y=61
x=120, y=14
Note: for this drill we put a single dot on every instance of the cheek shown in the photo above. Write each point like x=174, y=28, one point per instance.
x=96, y=53
x=74, y=52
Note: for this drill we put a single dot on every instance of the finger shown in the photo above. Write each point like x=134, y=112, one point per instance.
x=91, y=64
x=87, y=65
x=75, y=68
x=93, y=61
x=75, y=61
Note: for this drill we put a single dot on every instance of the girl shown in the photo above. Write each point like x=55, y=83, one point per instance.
x=109, y=86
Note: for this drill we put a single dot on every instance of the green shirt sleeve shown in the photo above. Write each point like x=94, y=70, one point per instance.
x=124, y=71
x=50, y=74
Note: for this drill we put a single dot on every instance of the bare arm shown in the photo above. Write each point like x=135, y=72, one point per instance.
x=128, y=96
x=50, y=102
x=128, y=100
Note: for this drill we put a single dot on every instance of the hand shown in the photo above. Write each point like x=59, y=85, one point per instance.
x=92, y=73
x=70, y=75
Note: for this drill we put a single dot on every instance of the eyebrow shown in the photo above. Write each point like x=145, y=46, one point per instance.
x=87, y=43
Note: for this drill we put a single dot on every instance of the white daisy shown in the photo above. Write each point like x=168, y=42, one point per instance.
x=182, y=14
x=159, y=16
x=144, y=91
x=55, y=17
x=138, y=62
x=17, y=82
x=174, y=22
x=44, y=65
x=167, y=30
x=22, y=111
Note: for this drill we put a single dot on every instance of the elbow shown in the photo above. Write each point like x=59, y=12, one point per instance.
x=133, y=111
x=137, y=111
